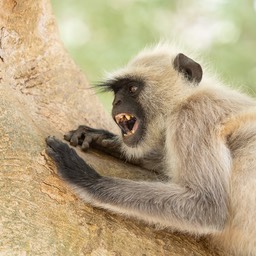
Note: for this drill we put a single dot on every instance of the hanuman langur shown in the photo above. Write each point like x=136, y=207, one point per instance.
x=199, y=133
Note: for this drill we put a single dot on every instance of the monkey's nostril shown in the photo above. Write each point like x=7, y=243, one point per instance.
x=117, y=102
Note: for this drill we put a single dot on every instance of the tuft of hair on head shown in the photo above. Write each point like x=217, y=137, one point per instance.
x=106, y=86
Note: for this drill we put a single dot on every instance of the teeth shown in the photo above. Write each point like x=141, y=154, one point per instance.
x=128, y=117
x=122, y=117
x=128, y=133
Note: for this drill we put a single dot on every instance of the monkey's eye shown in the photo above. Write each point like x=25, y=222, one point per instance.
x=133, y=88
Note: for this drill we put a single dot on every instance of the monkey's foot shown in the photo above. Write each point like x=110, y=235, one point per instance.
x=70, y=166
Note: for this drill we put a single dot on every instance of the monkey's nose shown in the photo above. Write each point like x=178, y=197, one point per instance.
x=116, y=102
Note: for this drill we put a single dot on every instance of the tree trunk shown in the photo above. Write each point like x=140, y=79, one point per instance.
x=44, y=93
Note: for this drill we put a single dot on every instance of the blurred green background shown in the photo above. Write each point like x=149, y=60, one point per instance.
x=103, y=35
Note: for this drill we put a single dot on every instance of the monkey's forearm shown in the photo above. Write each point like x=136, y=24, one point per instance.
x=150, y=201
x=156, y=203
x=110, y=144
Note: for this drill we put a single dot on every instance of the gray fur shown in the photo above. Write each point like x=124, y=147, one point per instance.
x=202, y=136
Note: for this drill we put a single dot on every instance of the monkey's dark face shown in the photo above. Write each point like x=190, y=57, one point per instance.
x=127, y=112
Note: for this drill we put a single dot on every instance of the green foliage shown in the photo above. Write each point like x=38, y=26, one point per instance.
x=236, y=59
x=104, y=35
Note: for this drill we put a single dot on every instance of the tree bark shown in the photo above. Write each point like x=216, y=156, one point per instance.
x=42, y=93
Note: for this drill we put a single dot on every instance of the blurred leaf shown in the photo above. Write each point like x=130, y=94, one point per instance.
x=104, y=35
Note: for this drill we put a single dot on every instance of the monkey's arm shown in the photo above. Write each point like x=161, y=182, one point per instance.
x=110, y=143
x=178, y=206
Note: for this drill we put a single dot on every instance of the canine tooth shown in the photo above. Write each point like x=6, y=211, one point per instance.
x=128, y=134
x=118, y=118
x=128, y=117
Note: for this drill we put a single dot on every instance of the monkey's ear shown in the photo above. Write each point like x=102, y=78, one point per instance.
x=188, y=67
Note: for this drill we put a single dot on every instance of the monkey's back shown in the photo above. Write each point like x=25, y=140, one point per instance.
x=240, y=232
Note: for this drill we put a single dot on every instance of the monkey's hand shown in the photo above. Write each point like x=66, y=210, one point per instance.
x=99, y=139
x=70, y=166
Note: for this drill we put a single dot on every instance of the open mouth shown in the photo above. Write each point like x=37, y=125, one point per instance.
x=127, y=123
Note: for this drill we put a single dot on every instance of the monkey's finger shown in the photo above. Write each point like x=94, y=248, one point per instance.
x=89, y=138
x=76, y=137
x=52, y=154
x=86, y=143
x=55, y=144
x=68, y=135
x=52, y=142
x=92, y=138
x=74, y=140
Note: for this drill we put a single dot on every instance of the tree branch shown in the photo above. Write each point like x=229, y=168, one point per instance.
x=44, y=93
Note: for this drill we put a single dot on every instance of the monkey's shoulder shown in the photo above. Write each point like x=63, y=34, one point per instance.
x=242, y=123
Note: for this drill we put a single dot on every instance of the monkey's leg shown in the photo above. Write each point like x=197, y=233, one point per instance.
x=97, y=138
x=168, y=204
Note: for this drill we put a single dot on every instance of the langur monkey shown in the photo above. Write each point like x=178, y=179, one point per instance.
x=174, y=120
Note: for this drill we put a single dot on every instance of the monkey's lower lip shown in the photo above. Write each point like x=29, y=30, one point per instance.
x=128, y=123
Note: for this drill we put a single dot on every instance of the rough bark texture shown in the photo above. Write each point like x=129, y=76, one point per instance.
x=42, y=92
